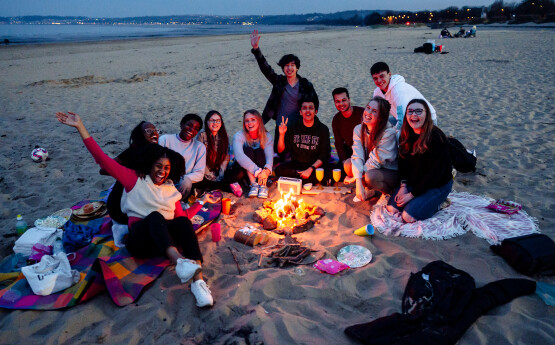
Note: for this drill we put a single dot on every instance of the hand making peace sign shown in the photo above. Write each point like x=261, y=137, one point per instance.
x=283, y=126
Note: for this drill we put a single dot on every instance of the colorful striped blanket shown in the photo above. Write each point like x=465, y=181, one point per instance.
x=102, y=266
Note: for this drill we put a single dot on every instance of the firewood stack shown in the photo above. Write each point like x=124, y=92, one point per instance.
x=300, y=217
x=289, y=254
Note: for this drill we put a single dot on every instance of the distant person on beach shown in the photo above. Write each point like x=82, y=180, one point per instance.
x=471, y=32
x=343, y=123
x=308, y=142
x=157, y=223
x=461, y=33
x=143, y=134
x=216, y=141
x=445, y=34
x=424, y=166
x=192, y=150
x=253, y=148
x=373, y=165
x=287, y=89
x=397, y=92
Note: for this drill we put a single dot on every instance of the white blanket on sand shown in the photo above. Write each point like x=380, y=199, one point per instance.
x=467, y=212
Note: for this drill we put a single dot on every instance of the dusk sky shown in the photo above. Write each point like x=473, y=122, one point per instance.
x=134, y=8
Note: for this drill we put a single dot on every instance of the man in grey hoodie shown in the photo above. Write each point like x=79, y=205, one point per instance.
x=396, y=91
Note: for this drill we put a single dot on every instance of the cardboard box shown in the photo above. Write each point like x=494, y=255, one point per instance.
x=285, y=184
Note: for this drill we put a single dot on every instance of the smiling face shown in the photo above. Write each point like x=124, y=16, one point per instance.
x=150, y=132
x=308, y=112
x=214, y=123
x=342, y=102
x=290, y=70
x=416, y=116
x=251, y=124
x=371, y=114
x=160, y=170
x=382, y=80
x=189, y=129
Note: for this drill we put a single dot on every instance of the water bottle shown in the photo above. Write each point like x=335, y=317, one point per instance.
x=20, y=225
x=58, y=246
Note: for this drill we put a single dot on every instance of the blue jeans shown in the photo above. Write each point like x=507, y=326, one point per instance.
x=426, y=205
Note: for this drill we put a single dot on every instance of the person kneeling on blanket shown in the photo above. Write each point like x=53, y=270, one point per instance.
x=424, y=166
x=157, y=222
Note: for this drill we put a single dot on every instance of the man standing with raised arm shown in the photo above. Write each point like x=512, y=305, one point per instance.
x=287, y=89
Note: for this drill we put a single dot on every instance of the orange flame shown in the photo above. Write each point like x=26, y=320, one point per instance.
x=283, y=215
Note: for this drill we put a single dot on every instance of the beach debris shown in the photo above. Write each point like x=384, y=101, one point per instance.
x=330, y=266
x=92, y=79
x=235, y=259
x=287, y=212
x=39, y=154
x=290, y=251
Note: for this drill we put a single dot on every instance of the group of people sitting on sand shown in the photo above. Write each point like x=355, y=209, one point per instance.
x=391, y=146
x=462, y=33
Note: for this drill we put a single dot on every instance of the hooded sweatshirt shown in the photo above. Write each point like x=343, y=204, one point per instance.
x=399, y=94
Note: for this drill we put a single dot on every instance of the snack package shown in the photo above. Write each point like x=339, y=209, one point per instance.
x=503, y=206
x=330, y=266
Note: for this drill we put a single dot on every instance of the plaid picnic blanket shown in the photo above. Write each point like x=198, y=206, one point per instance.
x=102, y=266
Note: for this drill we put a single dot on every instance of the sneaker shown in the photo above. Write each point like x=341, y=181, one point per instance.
x=263, y=192
x=202, y=294
x=253, y=193
x=186, y=269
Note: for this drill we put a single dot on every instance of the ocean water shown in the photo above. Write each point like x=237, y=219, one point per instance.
x=48, y=33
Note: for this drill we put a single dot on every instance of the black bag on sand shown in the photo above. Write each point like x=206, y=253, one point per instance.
x=530, y=254
x=463, y=160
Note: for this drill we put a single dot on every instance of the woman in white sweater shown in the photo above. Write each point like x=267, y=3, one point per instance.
x=373, y=164
x=158, y=225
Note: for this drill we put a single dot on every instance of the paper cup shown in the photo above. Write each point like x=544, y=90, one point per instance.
x=226, y=205
x=215, y=229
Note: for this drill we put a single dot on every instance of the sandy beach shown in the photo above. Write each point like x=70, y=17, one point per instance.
x=494, y=93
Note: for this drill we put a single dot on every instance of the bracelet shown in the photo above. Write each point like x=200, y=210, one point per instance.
x=200, y=202
x=257, y=172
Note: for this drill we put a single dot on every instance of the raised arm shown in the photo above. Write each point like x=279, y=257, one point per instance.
x=125, y=176
x=264, y=66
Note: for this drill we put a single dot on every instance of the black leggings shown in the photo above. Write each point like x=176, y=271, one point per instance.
x=114, y=204
x=152, y=235
x=238, y=173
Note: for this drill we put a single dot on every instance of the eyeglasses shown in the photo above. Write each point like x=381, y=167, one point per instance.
x=150, y=131
x=415, y=111
x=214, y=121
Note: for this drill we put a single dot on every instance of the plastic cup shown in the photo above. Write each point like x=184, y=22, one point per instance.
x=366, y=230
x=215, y=229
x=226, y=205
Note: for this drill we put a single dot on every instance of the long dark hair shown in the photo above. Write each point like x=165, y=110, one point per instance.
x=420, y=145
x=150, y=153
x=370, y=139
x=137, y=138
x=214, y=158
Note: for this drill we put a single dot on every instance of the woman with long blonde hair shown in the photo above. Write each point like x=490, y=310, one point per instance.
x=253, y=147
x=373, y=164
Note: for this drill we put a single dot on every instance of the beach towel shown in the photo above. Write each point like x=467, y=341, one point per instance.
x=102, y=266
x=467, y=212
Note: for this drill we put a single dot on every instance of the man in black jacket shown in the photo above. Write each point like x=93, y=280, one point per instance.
x=307, y=140
x=287, y=90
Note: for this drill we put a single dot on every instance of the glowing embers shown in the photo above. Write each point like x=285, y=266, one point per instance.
x=288, y=214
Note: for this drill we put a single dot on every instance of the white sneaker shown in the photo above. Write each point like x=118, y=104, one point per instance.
x=186, y=269
x=202, y=294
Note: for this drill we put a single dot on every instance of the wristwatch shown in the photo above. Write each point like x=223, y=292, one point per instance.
x=313, y=167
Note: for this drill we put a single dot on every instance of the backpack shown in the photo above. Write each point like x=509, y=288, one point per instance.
x=529, y=254
x=463, y=161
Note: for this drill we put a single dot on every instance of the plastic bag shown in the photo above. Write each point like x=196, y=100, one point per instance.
x=50, y=275
x=330, y=266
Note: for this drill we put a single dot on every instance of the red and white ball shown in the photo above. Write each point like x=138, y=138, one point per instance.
x=39, y=155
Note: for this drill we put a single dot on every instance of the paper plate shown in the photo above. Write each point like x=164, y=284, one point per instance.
x=96, y=205
x=354, y=255
x=197, y=219
x=51, y=222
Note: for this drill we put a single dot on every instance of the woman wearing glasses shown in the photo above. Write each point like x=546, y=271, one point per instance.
x=143, y=134
x=217, y=152
x=373, y=164
x=424, y=166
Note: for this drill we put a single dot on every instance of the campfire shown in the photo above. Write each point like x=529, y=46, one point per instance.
x=288, y=214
